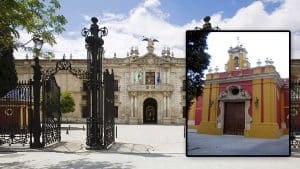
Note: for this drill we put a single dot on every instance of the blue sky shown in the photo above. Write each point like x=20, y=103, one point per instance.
x=166, y=20
x=179, y=12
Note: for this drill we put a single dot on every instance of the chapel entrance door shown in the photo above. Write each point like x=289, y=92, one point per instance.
x=150, y=111
x=234, y=119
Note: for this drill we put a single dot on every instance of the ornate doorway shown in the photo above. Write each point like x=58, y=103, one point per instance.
x=234, y=119
x=150, y=111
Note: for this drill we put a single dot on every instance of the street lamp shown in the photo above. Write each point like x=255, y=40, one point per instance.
x=94, y=46
x=36, y=122
x=38, y=43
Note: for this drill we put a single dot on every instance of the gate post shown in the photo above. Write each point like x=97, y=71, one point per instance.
x=36, y=126
x=94, y=45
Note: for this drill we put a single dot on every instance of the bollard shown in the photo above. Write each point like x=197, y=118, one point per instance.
x=83, y=127
x=184, y=131
x=69, y=127
x=67, y=132
x=116, y=132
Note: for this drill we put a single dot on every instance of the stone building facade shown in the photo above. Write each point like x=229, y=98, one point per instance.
x=149, y=88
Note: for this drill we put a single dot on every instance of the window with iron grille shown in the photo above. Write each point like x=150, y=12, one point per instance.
x=116, y=111
x=85, y=111
x=183, y=112
x=116, y=85
x=150, y=78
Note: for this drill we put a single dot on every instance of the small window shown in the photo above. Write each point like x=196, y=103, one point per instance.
x=85, y=111
x=116, y=111
x=116, y=85
x=183, y=112
x=234, y=90
x=150, y=78
x=236, y=61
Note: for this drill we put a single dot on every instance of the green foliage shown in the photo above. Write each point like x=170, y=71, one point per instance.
x=37, y=17
x=197, y=62
x=67, y=103
x=8, y=75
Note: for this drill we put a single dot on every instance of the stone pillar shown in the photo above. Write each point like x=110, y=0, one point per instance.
x=132, y=77
x=135, y=107
x=131, y=106
x=133, y=118
x=167, y=117
x=165, y=106
x=165, y=76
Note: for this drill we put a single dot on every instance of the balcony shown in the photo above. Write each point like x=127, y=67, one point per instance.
x=142, y=88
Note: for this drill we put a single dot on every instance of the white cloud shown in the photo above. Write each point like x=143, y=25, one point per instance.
x=259, y=45
x=147, y=19
x=151, y=3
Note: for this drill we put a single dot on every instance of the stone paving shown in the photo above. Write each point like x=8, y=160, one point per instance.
x=203, y=144
x=143, y=146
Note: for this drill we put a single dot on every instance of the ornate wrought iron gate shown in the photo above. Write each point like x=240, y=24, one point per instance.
x=16, y=115
x=51, y=115
x=109, y=122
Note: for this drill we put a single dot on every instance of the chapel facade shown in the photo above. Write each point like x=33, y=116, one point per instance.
x=243, y=100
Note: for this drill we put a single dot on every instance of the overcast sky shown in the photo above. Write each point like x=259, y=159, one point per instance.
x=259, y=45
x=128, y=21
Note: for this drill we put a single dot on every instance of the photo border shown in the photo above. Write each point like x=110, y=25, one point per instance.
x=187, y=113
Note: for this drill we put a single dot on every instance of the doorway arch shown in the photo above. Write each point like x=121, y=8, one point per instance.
x=150, y=111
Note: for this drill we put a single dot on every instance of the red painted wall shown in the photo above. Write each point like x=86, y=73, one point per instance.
x=286, y=106
x=198, y=113
x=278, y=105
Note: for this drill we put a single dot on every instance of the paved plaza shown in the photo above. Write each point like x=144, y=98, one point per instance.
x=137, y=146
x=203, y=144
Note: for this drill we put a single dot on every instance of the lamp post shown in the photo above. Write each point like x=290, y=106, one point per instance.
x=94, y=45
x=36, y=123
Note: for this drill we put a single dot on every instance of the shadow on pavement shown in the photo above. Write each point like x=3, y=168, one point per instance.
x=80, y=163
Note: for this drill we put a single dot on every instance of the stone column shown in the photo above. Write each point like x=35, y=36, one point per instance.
x=133, y=118
x=135, y=107
x=132, y=78
x=167, y=117
x=165, y=105
x=131, y=105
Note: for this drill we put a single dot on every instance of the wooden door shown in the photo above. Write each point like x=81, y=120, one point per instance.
x=234, y=118
x=150, y=111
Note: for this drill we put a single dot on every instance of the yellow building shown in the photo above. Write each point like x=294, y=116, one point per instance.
x=243, y=100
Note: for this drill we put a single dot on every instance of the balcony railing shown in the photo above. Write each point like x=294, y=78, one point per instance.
x=159, y=87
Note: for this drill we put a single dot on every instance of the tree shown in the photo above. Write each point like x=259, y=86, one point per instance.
x=197, y=59
x=67, y=103
x=36, y=17
x=8, y=75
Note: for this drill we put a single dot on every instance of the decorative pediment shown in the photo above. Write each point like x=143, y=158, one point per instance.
x=149, y=59
x=234, y=93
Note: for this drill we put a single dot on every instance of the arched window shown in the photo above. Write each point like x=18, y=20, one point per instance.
x=236, y=61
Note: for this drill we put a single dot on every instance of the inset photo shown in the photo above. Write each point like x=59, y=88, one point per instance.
x=237, y=93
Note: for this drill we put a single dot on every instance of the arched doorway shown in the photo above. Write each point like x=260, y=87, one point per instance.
x=150, y=111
